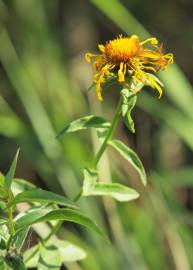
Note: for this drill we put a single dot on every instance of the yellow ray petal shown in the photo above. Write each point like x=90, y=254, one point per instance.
x=153, y=41
x=121, y=77
x=88, y=56
x=101, y=47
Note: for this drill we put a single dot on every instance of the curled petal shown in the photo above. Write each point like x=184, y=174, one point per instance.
x=152, y=82
x=153, y=41
x=170, y=58
x=101, y=47
x=88, y=57
x=99, y=90
x=121, y=77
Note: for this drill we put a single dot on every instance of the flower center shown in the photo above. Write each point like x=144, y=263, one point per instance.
x=122, y=49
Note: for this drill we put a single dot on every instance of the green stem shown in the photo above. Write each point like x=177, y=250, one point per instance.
x=11, y=224
x=109, y=134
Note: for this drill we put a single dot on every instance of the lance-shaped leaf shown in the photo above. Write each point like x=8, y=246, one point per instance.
x=42, y=196
x=15, y=262
x=129, y=101
x=90, y=121
x=11, y=172
x=50, y=257
x=19, y=239
x=70, y=215
x=20, y=185
x=31, y=256
x=117, y=191
x=90, y=178
x=68, y=252
x=130, y=156
x=128, y=119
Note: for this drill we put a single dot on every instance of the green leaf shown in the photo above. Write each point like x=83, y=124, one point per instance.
x=90, y=121
x=3, y=193
x=20, y=185
x=70, y=252
x=130, y=156
x=102, y=133
x=10, y=174
x=136, y=86
x=60, y=214
x=128, y=119
x=90, y=178
x=15, y=262
x=50, y=257
x=31, y=256
x=2, y=244
x=2, y=263
x=42, y=196
x=117, y=191
x=4, y=232
x=129, y=101
x=19, y=238
x=30, y=216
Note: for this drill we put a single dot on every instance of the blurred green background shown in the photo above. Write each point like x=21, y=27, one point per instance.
x=43, y=82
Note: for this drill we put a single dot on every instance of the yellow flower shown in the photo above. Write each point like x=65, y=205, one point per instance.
x=129, y=60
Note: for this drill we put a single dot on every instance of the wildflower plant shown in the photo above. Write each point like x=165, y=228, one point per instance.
x=131, y=64
x=43, y=206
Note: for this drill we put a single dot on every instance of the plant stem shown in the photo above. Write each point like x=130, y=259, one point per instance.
x=109, y=134
x=11, y=225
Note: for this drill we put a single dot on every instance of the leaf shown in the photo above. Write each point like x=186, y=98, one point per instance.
x=30, y=216
x=50, y=257
x=102, y=133
x=15, y=262
x=4, y=232
x=20, y=185
x=117, y=191
x=11, y=172
x=2, y=263
x=70, y=252
x=31, y=256
x=19, y=238
x=90, y=121
x=3, y=244
x=90, y=178
x=128, y=119
x=42, y=196
x=129, y=101
x=60, y=214
x=3, y=193
x=130, y=156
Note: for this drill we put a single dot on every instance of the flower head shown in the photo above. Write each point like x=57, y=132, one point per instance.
x=129, y=61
